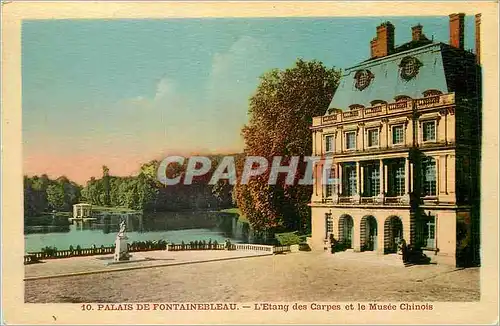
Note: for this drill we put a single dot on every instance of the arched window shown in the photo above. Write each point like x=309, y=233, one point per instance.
x=377, y=102
x=356, y=107
x=402, y=98
x=432, y=92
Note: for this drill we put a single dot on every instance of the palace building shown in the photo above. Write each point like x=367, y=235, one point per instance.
x=402, y=139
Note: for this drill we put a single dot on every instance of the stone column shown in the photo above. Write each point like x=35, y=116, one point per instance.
x=411, y=177
x=356, y=239
x=385, y=179
x=419, y=133
x=409, y=138
x=438, y=176
x=314, y=143
x=356, y=197
x=381, y=176
x=341, y=183
x=406, y=196
x=362, y=179
x=407, y=175
x=316, y=179
x=358, y=184
x=335, y=186
x=444, y=168
x=380, y=197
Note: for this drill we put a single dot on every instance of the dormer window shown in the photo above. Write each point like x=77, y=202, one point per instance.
x=402, y=98
x=432, y=92
x=356, y=107
x=409, y=67
x=362, y=79
x=377, y=102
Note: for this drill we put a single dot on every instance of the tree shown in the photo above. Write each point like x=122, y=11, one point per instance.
x=281, y=112
x=106, y=185
x=55, y=196
x=222, y=191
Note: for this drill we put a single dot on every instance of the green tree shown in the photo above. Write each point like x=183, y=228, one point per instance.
x=106, y=186
x=55, y=196
x=281, y=112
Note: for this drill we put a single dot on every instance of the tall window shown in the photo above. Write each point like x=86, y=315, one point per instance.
x=330, y=182
x=398, y=134
x=350, y=186
x=428, y=231
x=350, y=140
x=329, y=143
x=373, y=138
x=429, y=176
x=429, y=131
x=372, y=180
x=397, y=178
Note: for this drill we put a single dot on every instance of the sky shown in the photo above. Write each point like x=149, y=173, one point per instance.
x=124, y=92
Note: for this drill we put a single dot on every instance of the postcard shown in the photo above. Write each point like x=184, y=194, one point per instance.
x=250, y=162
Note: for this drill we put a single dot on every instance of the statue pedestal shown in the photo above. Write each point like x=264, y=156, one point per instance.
x=121, y=249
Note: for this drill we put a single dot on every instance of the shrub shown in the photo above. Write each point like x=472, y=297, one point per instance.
x=49, y=251
x=304, y=247
x=288, y=239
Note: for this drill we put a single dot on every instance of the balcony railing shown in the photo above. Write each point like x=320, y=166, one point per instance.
x=376, y=200
x=376, y=110
x=352, y=115
x=400, y=106
x=368, y=200
x=383, y=109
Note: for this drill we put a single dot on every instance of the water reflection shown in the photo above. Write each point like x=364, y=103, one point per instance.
x=172, y=227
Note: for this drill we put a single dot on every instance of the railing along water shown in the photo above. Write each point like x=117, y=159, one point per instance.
x=33, y=257
x=256, y=247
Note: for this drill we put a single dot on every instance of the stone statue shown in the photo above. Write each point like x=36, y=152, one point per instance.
x=121, y=246
x=123, y=227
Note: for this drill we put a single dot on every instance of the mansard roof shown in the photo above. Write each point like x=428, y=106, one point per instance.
x=441, y=67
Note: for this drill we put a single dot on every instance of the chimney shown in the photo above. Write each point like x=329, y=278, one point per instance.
x=457, y=30
x=478, y=39
x=383, y=44
x=416, y=32
x=373, y=48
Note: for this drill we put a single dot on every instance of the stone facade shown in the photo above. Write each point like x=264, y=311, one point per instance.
x=82, y=210
x=401, y=153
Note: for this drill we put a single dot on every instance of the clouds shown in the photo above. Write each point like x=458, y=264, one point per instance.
x=164, y=89
x=178, y=112
x=236, y=69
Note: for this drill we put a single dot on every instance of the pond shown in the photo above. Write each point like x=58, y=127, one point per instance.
x=172, y=227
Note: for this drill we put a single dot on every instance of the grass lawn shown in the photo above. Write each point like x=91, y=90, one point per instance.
x=241, y=217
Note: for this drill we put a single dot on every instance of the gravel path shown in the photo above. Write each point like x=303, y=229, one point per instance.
x=51, y=267
x=304, y=276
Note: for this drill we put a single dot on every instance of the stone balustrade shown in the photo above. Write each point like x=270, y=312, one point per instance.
x=34, y=257
x=384, y=109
